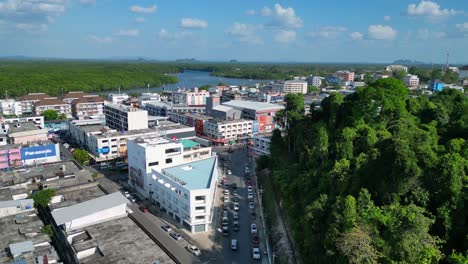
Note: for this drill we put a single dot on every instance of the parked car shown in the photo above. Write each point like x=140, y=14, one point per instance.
x=249, y=182
x=253, y=228
x=249, y=188
x=131, y=198
x=229, y=172
x=166, y=228
x=176, y=236
x=225, y=221
x=253, y=215
x=250, y=195
x=234, y=193
x=226, y=192
x=251, y=206
x=234, y=244
x=255, y=240
x=236, y=206
x=225, y=213
x=226, y=198
x=235, y=199
x=225, y=231
x=194, y=250
x=235, y=226
x=256, y=253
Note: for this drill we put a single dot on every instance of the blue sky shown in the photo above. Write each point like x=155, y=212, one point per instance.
x=301, y=31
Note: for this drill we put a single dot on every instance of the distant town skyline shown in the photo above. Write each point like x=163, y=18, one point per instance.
x=263, y=31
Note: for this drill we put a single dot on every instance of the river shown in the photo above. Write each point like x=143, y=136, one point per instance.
x=190, y=79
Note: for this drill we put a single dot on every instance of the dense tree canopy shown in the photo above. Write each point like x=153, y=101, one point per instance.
x=376, y=177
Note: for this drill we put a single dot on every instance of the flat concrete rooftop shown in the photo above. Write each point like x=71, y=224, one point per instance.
x=194, y=175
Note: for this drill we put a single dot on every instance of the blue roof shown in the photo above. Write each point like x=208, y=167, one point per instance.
x=196, y=175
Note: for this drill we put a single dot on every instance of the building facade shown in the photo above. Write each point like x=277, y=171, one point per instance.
x=260, y=145
x=411, y=80
x=314, y=81
x=166, y=109
x=11, y=107
x=345, y=76
x=223, y=131
x=189, y=98
x=391, y=68
x=296, y=86
x=29, y=101
x=125, y=118
x=53, y=103
x=88, y=106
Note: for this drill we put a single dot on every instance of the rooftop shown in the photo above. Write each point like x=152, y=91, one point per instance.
x=257, y=106
x=125, y=108
x=23, y=126
x=88, y=99
x=194, y=175
x=187, y=143
x=51, y=101
x=198, y=116
x=74, y=94
x=33, y=97
x=70, y=213
x=222, y=108
x=217, y=121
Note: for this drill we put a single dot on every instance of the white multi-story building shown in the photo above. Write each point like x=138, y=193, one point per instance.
x=391, y=68
x=260, y=144
x=314, y=81
x=411, y=80
x=226, y=130
x=10, y=107
x=178, y=176
x=155, y=108
x=125, y=118
x=193, y=97
x=296, y=86
x=117, y=98
x=53, y=103
x=88, y=106
x=29, y=101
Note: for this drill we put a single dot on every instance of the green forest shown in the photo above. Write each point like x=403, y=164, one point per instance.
x=22, y=77
x=376, y=176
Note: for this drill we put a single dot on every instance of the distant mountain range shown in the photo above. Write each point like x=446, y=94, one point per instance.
x=408, y=62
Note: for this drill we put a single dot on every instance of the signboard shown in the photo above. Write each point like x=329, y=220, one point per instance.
x=199, y=126
x=104, y=150
x=255, y=126
x=38, y=152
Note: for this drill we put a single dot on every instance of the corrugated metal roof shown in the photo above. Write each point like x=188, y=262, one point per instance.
x=67, y=214
x=21, y=247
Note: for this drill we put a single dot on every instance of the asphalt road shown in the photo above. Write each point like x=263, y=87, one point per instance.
x=236, y=163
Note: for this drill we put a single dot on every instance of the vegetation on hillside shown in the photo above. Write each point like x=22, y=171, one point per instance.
x=375, y=177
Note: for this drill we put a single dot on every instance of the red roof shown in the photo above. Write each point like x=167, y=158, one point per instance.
x=50, y=101
x=33, y=97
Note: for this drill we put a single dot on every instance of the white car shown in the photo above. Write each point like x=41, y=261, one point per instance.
x=256, y=253
x=250, y=195
x=236, y=216
x=226, y=199
x=225, y=221
x=236, y=206
x=225, y=213
x=249, y=189
x=226, y=192
x=194, y=250
x=251, y=206
x=229, y=172
x=253, y=229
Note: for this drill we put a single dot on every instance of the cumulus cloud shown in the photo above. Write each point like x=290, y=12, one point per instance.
x=381, y=32
x=329, y=32
x=356, y=35
x=245, y=33
x=285, y=17
x=128, y=33
x=387, y=18
x=266, y=11
x=100, y=40
x=462, y=27
x=250, y=12
x=143, y=10
x=87, y=2
x=285, y=36
x=174, y=36
x=22, y=14
x=430, y=10
x=193, y=23
x=140, y=19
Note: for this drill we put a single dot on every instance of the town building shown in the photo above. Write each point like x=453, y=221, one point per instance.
x=148, y=97
x=117, y=98
x=261, y=113
x=192, y=120
x=314, y=81
x=222, y=112
x=260, y=144
x=166, y=109
x=38, y=120
x=190, y=97
x=223, y=131
x=411, y=80
x=53, y=103
x=391, y=68
x=436, y=85
x=29, y=101
x=21, y=132
x=10, y=107
x=295, y=86
x=88, y=106
x=346, y=76
x=72, y=96
x=463, y=72
x=125, y=118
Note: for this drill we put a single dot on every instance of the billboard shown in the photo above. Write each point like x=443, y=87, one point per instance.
x=38, y=152
x=255, y=126
x=199, y=126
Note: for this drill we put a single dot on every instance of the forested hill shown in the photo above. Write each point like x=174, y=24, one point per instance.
x=19, y=78
x=376, y=177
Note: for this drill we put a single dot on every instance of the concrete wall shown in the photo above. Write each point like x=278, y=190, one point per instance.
x=98, y=217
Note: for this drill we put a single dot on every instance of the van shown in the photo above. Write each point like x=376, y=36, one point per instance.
x=234, y=244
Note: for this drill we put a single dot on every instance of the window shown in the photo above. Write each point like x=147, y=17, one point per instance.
x=168, y=160
x=199, y=198
x=105, y=141
x=154, y=163
x=200, y=208
x=200, y=217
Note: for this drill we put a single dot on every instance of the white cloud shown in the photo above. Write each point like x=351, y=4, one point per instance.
x=250, y=12
x=387, y=18
x=193, y=23
x=31, y=27
x=285, y=36
x=140, y=19
x=128, y=33
x=143, y=10
x=381, y=32
x=285, y=18
x=329, y=32
x=425, y=34
x=430, y=10
x=462, y=27
x=245, y=32
x=266, y=11
x=88, y=2
x=100, y=40
x=173, y=37
x=356, y=36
